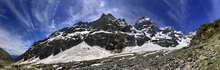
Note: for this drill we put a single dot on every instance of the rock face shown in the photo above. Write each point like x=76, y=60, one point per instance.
x=107, y=32
x=5, y=58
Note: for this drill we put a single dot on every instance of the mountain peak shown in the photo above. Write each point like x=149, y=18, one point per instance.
x=107, y=16
x=108, y=22
x=104, y=19
x=146, y=23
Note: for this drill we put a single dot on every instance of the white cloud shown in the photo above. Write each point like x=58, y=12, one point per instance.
x=12, y=43
x=102, y=4
x=91, y=10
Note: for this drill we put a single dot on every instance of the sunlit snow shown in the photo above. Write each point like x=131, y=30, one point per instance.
x=83, y=52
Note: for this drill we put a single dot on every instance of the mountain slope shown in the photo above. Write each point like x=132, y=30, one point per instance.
x=5, y=58
x=205, y=51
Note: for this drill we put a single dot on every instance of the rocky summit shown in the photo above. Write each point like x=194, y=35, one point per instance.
x=107, y=43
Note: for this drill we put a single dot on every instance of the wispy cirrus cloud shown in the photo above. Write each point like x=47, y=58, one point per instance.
x=21, y=17
x=178, y=10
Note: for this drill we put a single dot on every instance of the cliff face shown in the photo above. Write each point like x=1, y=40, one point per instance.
x=5, y=58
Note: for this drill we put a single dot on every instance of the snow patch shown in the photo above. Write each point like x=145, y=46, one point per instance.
x=96, y=64
x=149, y=46
x=77, y=53
x=101, y=31
x=146, y=47
x=78, y=33
x=160, y=35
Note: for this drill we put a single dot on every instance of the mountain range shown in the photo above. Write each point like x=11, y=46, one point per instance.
x=110, y=43
x=104, y=37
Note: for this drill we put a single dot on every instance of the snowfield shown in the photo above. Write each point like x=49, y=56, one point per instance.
x=83, y=52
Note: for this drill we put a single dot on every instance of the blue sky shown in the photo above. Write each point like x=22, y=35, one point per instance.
x=23, y=22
